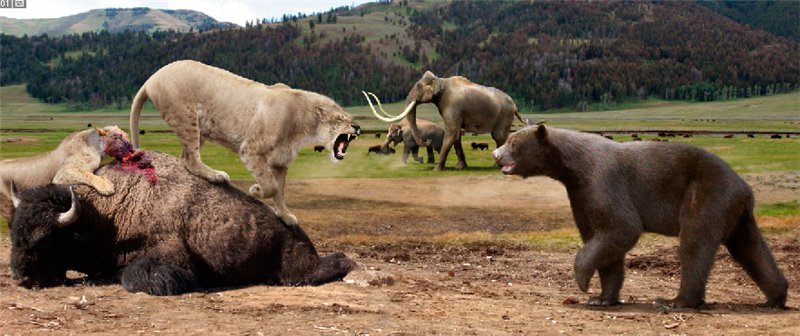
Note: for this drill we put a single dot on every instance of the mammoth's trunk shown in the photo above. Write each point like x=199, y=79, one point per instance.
x=385, y=145
x=412, y=124
x=412, y=121
x=386, y=116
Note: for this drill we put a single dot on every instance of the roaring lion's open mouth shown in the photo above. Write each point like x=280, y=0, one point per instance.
x=340, y=145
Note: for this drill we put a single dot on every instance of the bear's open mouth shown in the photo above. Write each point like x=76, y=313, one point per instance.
x=340, y=145
x=508, y=168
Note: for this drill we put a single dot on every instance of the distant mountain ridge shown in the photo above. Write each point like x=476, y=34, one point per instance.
x=113, y=20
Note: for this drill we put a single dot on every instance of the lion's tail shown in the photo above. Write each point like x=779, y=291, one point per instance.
x=136, y=109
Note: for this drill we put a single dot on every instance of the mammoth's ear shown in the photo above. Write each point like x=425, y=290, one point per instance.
x=541, y=133
x=438, y=86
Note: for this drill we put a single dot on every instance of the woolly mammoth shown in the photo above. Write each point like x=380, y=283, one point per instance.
x=462, y=105
x=432, y=136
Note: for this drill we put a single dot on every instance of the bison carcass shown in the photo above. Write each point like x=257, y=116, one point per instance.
x=176, y=236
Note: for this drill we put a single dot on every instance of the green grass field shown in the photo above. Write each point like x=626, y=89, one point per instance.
x=29, y=127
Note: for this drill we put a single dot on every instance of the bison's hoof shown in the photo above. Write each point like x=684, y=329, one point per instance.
x=597, y=301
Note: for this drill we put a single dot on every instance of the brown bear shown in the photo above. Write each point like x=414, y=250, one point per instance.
x=620, y=190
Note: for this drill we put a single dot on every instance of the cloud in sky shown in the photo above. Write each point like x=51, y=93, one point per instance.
x=236, y=11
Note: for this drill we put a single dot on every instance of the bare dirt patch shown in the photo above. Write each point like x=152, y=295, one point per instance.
x=19, y=139
x=437, y=287
x=775, y=187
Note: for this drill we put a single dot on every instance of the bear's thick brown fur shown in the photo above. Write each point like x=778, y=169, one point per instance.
x=620, y=190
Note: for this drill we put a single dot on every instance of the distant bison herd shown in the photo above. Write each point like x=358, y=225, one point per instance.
x=174, y=225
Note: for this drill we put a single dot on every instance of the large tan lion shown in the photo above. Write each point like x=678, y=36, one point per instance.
x=265, y=125
x=72, y=162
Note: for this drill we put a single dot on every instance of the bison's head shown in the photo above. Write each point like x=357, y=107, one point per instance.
x=39, y=234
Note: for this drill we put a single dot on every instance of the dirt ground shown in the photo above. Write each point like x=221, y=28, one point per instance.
x=412, y=282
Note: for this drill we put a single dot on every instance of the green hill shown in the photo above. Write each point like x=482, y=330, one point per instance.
x=113, y=20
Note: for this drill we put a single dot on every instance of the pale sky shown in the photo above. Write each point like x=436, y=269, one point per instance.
x=236, y=11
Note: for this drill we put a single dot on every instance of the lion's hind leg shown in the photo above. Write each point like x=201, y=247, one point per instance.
x=186, y=127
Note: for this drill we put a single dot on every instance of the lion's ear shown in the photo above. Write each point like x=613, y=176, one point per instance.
x=100, y=131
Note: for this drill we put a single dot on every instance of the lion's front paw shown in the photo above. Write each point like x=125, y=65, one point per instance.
x=255, y=191
x=219, y=176
x=104, y=188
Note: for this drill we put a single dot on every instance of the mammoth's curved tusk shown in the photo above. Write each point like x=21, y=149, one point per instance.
x=373, y=107
x=380, y=107
x=390, y=119
x=69, y=217
x=14, y=199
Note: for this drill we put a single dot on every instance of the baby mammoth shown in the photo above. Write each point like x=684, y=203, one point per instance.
x=620, y=190
x=400, y=133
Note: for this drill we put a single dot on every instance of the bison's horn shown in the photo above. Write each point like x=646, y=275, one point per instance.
x=69, y=217
x=390, y=119
x=14, y=199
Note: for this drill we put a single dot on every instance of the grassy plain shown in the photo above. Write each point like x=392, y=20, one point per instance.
x=29, y=127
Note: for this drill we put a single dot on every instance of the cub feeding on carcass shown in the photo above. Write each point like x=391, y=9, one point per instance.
x=72, y=162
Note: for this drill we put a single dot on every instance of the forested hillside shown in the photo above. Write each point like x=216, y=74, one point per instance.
x=781, y=18
x=545, y=54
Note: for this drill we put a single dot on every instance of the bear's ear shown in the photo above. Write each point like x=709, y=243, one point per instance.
x=541, y=133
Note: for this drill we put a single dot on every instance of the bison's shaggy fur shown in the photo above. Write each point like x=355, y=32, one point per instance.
x=178, y=235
